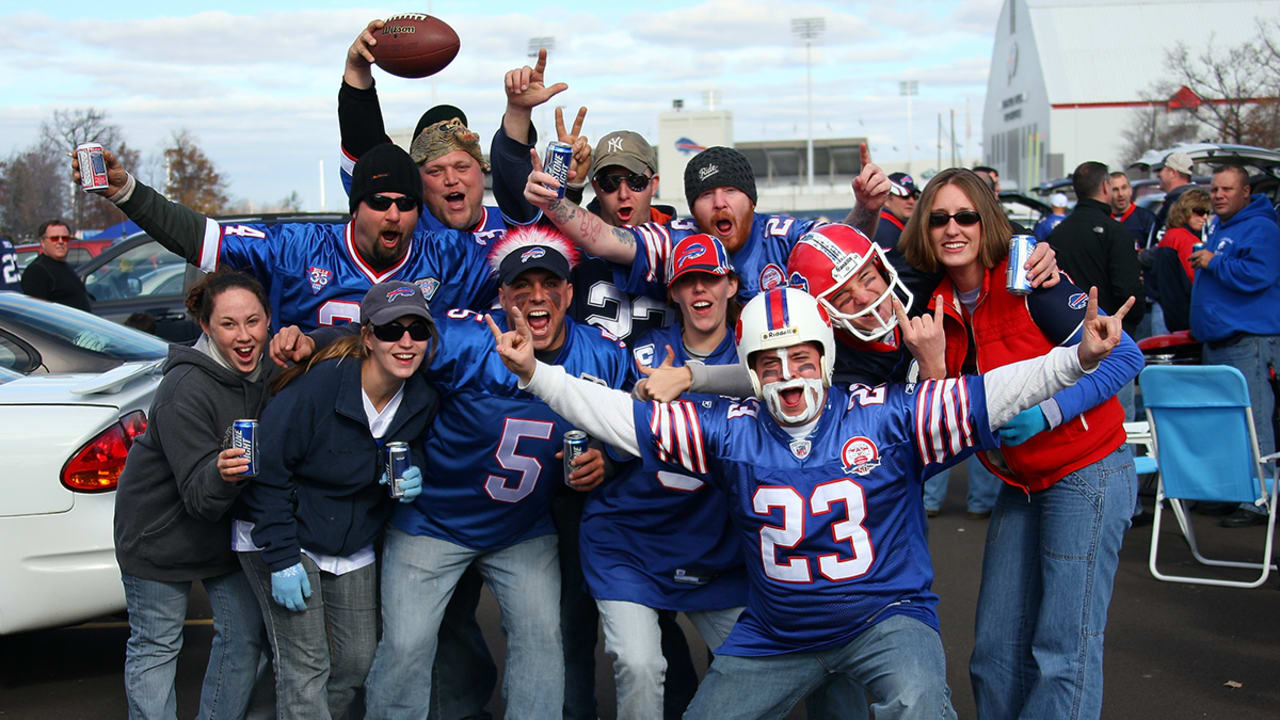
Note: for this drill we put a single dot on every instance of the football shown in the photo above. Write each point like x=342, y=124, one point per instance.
x=415, y=45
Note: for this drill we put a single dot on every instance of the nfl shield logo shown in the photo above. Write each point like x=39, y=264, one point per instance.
x=318, y=277
x=800, y=448
x=429, y=287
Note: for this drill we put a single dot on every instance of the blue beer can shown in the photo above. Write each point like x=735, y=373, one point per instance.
x=1020, y=247
x=575, y=444
x=1197, y=247
x=397, y=464
x=244, y=435
x=559, y=155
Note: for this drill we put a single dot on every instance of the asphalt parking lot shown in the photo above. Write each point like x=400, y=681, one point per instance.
x=1172, y=650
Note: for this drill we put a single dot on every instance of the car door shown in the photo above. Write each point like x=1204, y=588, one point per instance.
x=137, y=282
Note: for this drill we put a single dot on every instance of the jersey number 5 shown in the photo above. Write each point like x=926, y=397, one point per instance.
x=796, y=569
x=527, y=466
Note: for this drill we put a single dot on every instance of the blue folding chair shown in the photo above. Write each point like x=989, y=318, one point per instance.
x=1206, y=449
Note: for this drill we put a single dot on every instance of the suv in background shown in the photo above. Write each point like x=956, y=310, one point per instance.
x=79, y=252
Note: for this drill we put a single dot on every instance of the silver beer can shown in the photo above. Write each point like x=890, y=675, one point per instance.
x=1020, y=247
x=93, y=167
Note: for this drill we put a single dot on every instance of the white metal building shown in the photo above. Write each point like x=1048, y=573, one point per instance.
x=1066, y=75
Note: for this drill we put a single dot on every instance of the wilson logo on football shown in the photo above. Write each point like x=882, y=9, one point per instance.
x=859, y=456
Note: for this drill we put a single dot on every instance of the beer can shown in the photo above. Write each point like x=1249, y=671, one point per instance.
x=397, y=464
x=244, y=434
x=559, y=155
x=1197, y=247
x=1020, y=247
x=575, y=444
x=93, y=167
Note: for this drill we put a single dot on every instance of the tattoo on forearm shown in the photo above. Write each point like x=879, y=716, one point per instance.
x=863, y=219
x=624, y=237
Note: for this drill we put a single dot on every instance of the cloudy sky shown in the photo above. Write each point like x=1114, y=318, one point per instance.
x=258, y=88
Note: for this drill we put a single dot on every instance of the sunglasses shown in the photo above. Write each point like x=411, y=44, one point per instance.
x=611, y=182
x=393, y=331
x=964, y=218
x=382, y=203
x=1200, y=211
x=58, y=238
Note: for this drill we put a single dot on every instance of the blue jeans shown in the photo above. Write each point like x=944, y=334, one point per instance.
x=899, y=660
x=463, y=675
x=983, y=488
x=322, y=653
x=1047, y=575
x=578, y=616
x=157, y=611
x=418, y=577
x=1250, y=356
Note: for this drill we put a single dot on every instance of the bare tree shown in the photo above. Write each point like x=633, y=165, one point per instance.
x=60, y=135
x=33, y=189
x=191, y=178
x=1156, y=127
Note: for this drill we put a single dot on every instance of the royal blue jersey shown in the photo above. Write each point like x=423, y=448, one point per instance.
x=832, y=524
x=761, y=263
x=314, y=276
x=1046, y=226
x=10, y=275
x=491, y=469
x=661, y=538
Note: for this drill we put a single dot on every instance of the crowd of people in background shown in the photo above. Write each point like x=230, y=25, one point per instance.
x=774, y=404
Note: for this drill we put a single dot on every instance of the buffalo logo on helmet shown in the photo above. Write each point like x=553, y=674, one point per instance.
x=798, y=281
x=1078, y=301
x=859, y=455
x=318, y=277
x=531, y=253
x=399, y=293
x=771, y=277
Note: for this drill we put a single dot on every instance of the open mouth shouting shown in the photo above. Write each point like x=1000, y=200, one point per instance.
x=626, y=214
x=389, y=238
x=245, y=356
x=792, y=400
x=456, y=201
x=539, y=324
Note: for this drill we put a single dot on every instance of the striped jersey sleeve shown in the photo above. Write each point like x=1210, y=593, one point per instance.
x=677, y=435
x=950, y=418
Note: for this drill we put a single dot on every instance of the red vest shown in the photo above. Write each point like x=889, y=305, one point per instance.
x=1004, y=332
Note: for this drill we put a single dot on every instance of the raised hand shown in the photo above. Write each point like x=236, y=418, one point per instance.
x=290, y=346
x=358, y=72
x=526, y=86
x=666, y=382
x=871, y=186
x=515, y=346
x=581, y=162
x=925, y=338
x=1101, y=333
x=536, y=189
x=117, y=178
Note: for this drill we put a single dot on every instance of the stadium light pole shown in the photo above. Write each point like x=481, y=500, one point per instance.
x=909, y=88
x=809, y=30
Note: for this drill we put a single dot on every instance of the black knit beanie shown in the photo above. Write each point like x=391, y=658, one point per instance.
x=384, y=168
x=718, y=167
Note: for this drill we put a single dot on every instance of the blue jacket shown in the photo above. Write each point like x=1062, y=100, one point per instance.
x=1239, y=292
x=318, y=471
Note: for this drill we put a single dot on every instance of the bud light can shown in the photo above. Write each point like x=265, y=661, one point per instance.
x=397, y=464
x=575, y=444
x=93, y=167
x=1020, y=247
x=244, y=435
x=557, y=164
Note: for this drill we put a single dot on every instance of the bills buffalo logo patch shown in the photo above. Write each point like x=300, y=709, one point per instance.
x=1078, y=301
x=859, y=456
x=399, y=292
x=318, y=277
x=798, y=281
x=771, y=277
x=532, y=253
x=694, y=252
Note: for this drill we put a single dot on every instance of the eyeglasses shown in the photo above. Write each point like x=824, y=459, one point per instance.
x=964, y=218
x=1200, y=211
x=382, y=203
x=393, y=331
x=611, y=182
x=58, y=238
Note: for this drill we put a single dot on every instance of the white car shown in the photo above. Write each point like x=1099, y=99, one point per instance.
x=64, y=437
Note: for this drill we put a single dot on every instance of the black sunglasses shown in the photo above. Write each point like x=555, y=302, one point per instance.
x=611, y=182
x=1200, y=211
x=964, y=218
x=382, y=203
x=393, y=331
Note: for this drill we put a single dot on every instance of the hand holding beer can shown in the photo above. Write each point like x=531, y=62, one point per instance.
x=1016, y=281
x=575, y=444
x=244, y=435
x=397, y=464
x=93, y=167
x=559, y=155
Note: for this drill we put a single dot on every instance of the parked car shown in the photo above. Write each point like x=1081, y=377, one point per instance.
x=1262, y=164
x=138, y=275
x=79, y=252
x=1023, y=209
x=68, y=425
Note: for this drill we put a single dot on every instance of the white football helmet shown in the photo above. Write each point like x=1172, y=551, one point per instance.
x=774, y=321
x=826, y=258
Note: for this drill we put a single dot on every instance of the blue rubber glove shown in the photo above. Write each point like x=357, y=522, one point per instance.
x=1021, y=429
x=410, y=483
x=290, y=587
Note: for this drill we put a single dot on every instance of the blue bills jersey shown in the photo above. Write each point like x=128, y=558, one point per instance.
x=314, y=276
x=491, y=469
x=832, y=524
x=663, y=538
x=761, y=263
x=10, y=275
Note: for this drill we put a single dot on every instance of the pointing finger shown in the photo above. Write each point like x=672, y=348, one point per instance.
x=521, y=327
x=493, y=328
x=541, y=65
x=560, y=123
x=900, y=311
x=577, y=123
x=1091, y=310
x=864, y=154
x=1124, y=309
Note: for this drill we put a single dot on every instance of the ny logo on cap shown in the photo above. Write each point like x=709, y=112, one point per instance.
x=615, y=144
x=707, y=172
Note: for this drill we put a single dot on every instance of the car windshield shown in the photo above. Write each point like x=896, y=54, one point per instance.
x=85, y=331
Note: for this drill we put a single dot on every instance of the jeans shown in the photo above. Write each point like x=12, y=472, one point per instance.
x=633, y=640
x=1250, y=356
x=1047, y=575
x=983, y=488
x=157, y=611
x=323, y=653
x=419, y=573
x=899, y=660
x=578, y=617
x=463, y=675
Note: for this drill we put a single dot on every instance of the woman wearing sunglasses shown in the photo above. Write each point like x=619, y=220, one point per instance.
x=306, y=526
x=1069, y=484
x=1172, y=262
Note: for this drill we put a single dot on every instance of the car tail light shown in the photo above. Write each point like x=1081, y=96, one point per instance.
x=96, y=467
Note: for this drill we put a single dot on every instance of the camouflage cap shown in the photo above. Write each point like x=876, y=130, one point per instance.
x=444, y=137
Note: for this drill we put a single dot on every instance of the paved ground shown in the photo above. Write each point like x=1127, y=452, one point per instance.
x=1171, y=648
